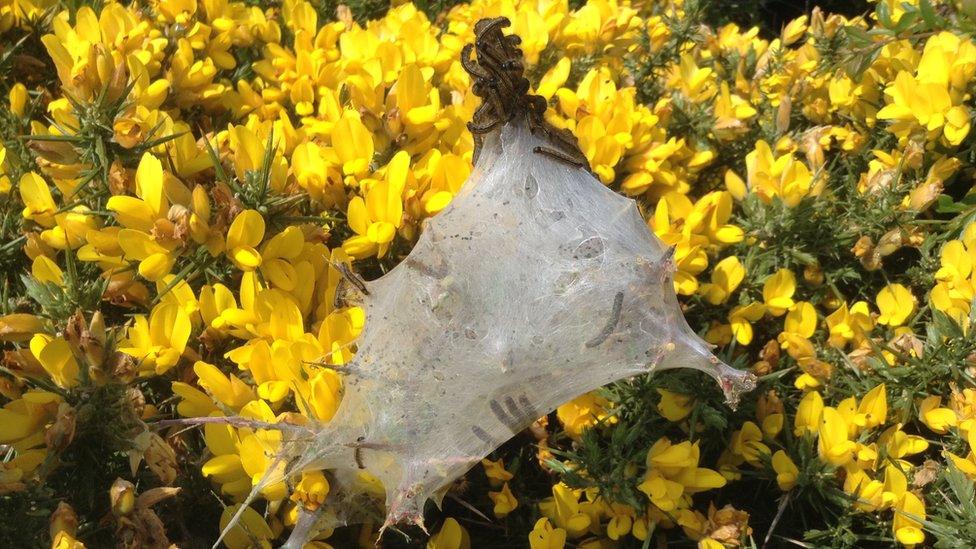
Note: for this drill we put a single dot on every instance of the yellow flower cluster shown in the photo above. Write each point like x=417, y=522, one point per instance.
x=185, y=184
x=955, y=288
x=873, y=464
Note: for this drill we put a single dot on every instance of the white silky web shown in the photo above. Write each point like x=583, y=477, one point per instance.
x=535, y=285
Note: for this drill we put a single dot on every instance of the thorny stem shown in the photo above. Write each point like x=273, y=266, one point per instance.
x=229, y=420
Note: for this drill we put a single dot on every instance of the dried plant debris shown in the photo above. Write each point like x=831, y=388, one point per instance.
x=536, y=284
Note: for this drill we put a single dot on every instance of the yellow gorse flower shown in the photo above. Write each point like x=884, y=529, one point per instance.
x=955, y=282
x=243, y=237
x=565, y=511
x=451, y=536
x=778, y=292
x=376, y=218
x=896, y=304
x=770, y=176
x=834, y=444
x=584, y=412
x=674, y=406
x=157, y=342
x=673, y=475
x=726, y=277
x=505, y=502
x=545, y=536
x=786, y=470
x=496, y=473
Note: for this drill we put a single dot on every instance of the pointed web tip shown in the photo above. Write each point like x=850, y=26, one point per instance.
x=693, y=352
x=735, y=383
x=406, y=508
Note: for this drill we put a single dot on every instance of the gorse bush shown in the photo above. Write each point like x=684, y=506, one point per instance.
x=181, y=183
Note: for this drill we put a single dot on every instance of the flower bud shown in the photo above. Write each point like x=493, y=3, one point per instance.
x=18, y=99
x=813, y=275
x=63, y=519
x=122, y=495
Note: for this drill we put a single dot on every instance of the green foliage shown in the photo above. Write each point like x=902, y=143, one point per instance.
x=954, y=517
x=82, y=291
